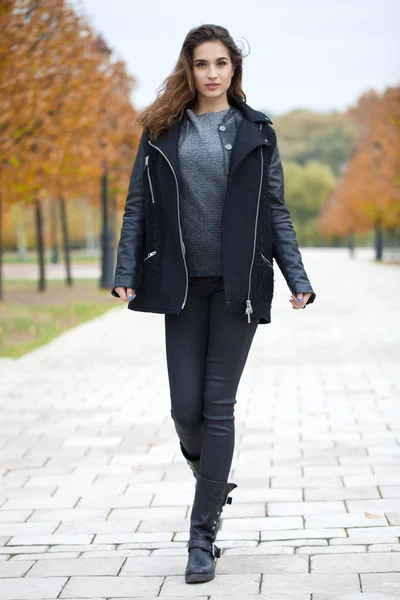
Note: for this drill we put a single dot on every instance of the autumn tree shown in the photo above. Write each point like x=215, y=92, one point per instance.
x=368, y=195
x=64, y=107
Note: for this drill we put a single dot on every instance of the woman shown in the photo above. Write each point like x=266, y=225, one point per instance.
x=204, y=218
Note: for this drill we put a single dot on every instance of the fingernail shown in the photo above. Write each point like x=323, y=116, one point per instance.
x=130, y=297
x=299, y=298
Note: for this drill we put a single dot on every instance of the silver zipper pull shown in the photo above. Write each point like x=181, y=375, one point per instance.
x=147, y=160
x=249, y=310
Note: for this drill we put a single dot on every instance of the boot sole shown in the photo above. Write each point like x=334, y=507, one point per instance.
x=199, y=578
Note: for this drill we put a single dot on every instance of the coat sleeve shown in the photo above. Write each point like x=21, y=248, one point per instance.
x=130, y=245
x=285, y=249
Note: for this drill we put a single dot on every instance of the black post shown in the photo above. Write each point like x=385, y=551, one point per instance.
x=64, y=230
x=351, y=241
x=40, y=245
x=53, y=223
x=1, y=249
x=378, y=240
x=107, y=241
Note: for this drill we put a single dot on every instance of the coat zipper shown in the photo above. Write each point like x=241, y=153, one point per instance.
x=150, y=254
x=267, y=261
x=149, y=178
x=179, y=220
x=249, y=308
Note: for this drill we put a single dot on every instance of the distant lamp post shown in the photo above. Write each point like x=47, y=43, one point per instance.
x=107, y=237
x=107, y=241
x=378, y=224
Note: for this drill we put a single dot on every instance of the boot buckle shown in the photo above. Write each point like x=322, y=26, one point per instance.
x=216, y=552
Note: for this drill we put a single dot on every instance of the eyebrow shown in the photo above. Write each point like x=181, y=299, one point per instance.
x=205, y=60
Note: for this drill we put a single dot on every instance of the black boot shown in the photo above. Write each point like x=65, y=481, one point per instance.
x=210, y=497
x=194, y=464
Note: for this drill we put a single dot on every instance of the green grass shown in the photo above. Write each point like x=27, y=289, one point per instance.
x=29, y=319
x=12, y=258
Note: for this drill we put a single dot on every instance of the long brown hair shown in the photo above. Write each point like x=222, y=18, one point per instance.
x=178, y=91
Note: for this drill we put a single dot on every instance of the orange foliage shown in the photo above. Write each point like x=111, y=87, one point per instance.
x=65, y=109
x=369, y=191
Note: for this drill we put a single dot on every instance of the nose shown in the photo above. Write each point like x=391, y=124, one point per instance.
x=212, y=74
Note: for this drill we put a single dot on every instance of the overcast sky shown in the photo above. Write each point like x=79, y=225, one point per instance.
x=316, y=54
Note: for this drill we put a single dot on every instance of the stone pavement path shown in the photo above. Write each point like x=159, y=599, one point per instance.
x=95, y=496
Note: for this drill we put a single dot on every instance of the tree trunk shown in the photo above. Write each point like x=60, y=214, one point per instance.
x=53, y=232
x=64, y=229
x=378, y=240
x=40, y=245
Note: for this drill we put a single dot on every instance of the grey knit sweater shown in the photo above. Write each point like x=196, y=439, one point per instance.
x=205, y=144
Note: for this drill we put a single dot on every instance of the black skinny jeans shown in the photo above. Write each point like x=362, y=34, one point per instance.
x=207, y=348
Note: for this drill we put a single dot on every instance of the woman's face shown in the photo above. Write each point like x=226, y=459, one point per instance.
x=212, y=65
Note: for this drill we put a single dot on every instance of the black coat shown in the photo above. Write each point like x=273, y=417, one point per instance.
x=256, y=225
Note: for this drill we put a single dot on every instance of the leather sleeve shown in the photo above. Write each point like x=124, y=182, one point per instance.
x=130, y=246
x=285, y=248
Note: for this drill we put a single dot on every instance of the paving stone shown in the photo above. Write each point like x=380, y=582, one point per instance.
x=74, y=514
x=40, y=502
x=357, y=563
x=384, y=548
x=390, y=491
x=375, y=537
x=27, y=528
x=118, y=553
x=97, y=527
x=259, y=550
x=360, y=596
x=385, y=583
x=330, y=549
x=34, y=540
x=176, y=587
x=15, y=568
x=304, y=508
x=292, y=534
x=311, y=583
x=45, y=555
x=79, y=566
x=23, y=549
x=288, y=596
x=31, y=589
x=154, y=512
x=374, y=532
x=261, y=524
x=112, y=587
x=344, y=520
x=15, y=516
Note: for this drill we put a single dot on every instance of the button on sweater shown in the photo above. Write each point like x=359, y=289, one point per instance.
x=205, y=145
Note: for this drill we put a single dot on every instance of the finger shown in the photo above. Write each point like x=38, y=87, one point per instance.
x=130, y=293
x=121, y=291
x=295, y=303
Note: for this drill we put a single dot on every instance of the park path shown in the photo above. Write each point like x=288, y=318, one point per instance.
x=95, y=495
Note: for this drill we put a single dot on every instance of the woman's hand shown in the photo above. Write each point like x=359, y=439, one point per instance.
x=300, y=300
x=126, y=294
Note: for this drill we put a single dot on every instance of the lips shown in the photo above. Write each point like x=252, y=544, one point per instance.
x=212, y=86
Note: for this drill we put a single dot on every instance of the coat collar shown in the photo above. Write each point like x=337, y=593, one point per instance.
x=249, y=136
